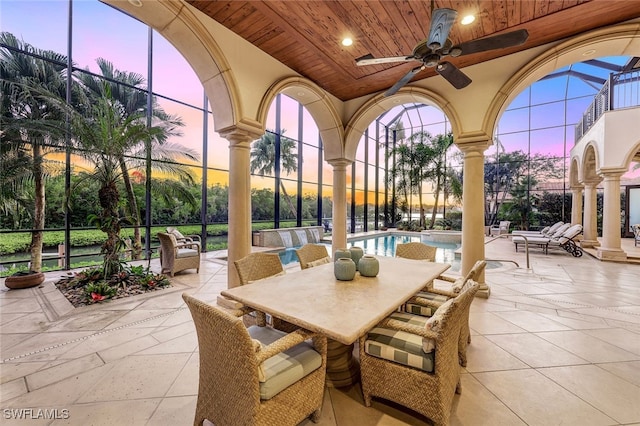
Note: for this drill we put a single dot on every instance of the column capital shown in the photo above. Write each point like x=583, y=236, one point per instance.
x=592, y=182
x=609, y=173
x=242, y=134
x=340, y=163
x=576, y=187
x=474, y=141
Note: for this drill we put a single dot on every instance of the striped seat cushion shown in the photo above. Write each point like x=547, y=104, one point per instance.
x=425, y=311
x=285, y=368
x=399, y=346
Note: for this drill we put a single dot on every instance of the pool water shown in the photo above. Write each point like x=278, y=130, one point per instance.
x=385, y=245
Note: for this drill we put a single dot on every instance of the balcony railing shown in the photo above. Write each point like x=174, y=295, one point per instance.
x=621, y=90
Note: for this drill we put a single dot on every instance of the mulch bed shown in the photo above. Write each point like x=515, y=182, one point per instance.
x=78, y=297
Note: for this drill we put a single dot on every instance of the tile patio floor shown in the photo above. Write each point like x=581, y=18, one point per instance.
x=559, y=344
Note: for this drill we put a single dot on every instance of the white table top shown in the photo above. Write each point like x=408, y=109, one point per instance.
x=342, y=310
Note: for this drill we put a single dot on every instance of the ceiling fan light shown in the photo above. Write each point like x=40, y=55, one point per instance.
x=455, y=52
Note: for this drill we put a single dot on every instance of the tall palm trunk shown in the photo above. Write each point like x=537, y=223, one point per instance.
x=134, y=213
x=286, y=196
x=39, y=206
x=109, y=223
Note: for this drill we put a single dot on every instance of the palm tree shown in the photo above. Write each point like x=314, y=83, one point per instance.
x=127, y=89
x=263, y=159
x=25, y=73
x=439, y=145
x=105, y=132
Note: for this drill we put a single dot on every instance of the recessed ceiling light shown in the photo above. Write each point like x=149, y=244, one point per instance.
x=468, y=19
x=347, y=41
x=136, y=3
x=589, y=52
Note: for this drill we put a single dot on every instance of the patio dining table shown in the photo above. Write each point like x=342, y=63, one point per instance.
x=341, y=310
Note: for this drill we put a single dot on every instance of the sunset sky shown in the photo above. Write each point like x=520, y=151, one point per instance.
x=100, y=31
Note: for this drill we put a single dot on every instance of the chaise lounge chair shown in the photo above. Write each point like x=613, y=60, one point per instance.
x=564, y=241
x=547, y=231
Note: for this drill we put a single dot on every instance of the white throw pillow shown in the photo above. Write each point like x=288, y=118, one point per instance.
x=177, y=234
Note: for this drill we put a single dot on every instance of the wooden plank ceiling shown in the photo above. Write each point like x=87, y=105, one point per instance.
x=306, y=35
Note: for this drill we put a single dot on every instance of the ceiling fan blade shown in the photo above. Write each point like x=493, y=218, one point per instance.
x=453, y=75
x=370, y=60
x=441, y=22
x=404, y=80
x=500, y=41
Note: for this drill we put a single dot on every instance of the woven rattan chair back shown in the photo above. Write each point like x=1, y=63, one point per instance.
x=416, y=251
x=310, y=252
x=430, y=394
x=257, y=266
x=229, y=390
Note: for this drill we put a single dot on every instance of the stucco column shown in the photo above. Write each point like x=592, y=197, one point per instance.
x=239, y=237
x=590, y=222
x=576, y=204
x=339, y=211
x=611, y=248
x=473, y=210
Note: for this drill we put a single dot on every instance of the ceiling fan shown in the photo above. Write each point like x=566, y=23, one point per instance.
x=431, y=50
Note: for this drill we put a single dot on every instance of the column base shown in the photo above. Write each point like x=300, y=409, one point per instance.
x=616, y=255
x=484, y=291
x=589, y=243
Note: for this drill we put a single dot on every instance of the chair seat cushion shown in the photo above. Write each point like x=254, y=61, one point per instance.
x=399, y=346
x=425, y=311
x=185, y=252
x=427, y=344
x=284, y=369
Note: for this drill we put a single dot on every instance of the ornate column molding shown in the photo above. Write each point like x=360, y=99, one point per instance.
x=473, y=209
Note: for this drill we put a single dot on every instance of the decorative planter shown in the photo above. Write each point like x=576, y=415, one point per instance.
x=369, y=266
x=342, y=253
x=344, y=269
x=356, y=254
x=24, y=281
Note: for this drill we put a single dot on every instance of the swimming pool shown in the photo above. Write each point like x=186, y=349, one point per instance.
x=383, y=245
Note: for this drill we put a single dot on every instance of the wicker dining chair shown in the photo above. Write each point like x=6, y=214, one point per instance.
x=255, y=375
x=177, y=256
x=425, y=303
x=395, y=366
x=310, y=255
x=255, y=267
x=417, y=251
